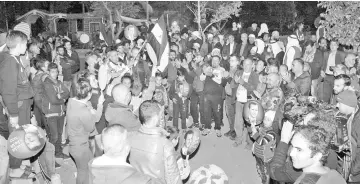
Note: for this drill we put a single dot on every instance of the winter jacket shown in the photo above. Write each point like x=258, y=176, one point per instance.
x=51, y=104
x=14, y=83
x=37, y=84
x=301, y=84
x=66, y=68
x=117, y=113
x=312, y=178
x=118, y=174
x=74, y=57
x=81, y=121
x=153, y=154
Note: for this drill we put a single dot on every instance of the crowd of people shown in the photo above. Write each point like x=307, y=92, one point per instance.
x=294, y=104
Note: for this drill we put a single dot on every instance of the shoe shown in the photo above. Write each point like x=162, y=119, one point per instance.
x=57, y=166
x=227, y=134
x=205, y=132
x=218, y=133
x=232, y=135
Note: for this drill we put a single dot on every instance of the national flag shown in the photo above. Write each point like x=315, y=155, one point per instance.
x=157, y=45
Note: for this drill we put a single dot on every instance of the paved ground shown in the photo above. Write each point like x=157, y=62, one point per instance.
x=238, y=163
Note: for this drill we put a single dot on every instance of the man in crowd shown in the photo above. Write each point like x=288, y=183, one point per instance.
x=151, y=152
x=71, y=54
x=230, y=49
x=244, y=47
x=293, y=51
x=273, y=96
x=112, y=166
x=316, y=66
x=302, y=81
x=331, y=59
x=119, y=112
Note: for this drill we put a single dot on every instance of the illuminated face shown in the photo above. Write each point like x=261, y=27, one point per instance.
x=127, y=82
x=300, y=153
x=283, y=70
x=266, y=38
x=260, y=66
x=215, y=62
x=46, y=66
x=268, y=119
x=172, y=56
x=253, y=108
x=189, y=139
x=67, y=46
x=350, y=60
x=333, y=46
x=54, y=73
x=233, y=62
x=244, y=37
x=158, y=80
x=61, y=51
x=32, y=140
x=339, y=86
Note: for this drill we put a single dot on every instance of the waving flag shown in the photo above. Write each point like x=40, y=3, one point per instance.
x=157, y=45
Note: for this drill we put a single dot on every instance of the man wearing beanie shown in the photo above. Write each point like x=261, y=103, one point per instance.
x=349, y=165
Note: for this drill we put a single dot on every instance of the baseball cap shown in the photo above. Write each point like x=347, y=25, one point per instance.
x=348, y=98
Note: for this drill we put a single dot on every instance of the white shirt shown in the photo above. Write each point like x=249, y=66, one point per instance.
x=231, y=48
x=289, y=57
x=330, y=63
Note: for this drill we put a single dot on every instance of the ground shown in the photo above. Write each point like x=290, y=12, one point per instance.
x=238, y=163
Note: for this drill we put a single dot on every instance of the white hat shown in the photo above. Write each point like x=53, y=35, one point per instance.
x=23, y=27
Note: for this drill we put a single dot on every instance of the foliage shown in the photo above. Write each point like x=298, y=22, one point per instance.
x=342, y=21
x=283, y=12
x=112, y=12
x=213, y=12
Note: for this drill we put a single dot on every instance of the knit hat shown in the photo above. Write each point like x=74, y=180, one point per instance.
x=348, y=98
x=23, y=27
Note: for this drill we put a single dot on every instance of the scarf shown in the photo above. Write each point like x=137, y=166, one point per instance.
x=309, y=55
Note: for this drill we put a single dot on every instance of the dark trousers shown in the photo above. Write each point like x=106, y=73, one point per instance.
x=24, y=118
x=55, y=126
x=328, y=86
x=81, y=155
x=196, y=106
x=39, y=116
x=180, y=110
x=230, y=111
x=213, y=107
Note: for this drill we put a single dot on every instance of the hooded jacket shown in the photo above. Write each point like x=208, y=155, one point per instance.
x=117, y=113
x=51, y=104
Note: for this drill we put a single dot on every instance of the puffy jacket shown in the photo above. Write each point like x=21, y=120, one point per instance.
x=152, y=154
x=118, y=174
x=51, y=104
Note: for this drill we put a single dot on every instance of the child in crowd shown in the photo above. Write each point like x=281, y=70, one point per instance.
x=53, y=106
x=264, y=145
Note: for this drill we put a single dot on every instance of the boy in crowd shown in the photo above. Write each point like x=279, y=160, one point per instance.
x=53, y=106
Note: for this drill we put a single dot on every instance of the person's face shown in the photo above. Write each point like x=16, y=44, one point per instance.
x=54, y=73
x=270, y=82
x=266, y=38
x=198, y=59
x=244, y=38
x=189, y=56
x=210, y=39
x=275, y=35
x=46, y=66
x=350, y=60
x=61, y=51
x=308, y=48
x=140, y=42
x=248, y=64
x=114, y=57
x=234, y=24
x=32, y=140
x=301, y=26
x=296, y=67
x=268, y=121
x=207, y=70
x=50, y=40
x=189, y=140
x=134, y=53
x=251, y=40
x=233, y=62
x=120, y=49
x=323, y=43
x=231, y=39
x=339, y=86
x=35, y=49
x=313, y=38
x=333, y=46
x=253, y=111
x=181, y=78
x=127, y=82
x=172, y=56
x=215, y=62
x=283, y=70
x=158, y=80
x=300, y=153
x=127, y=47
x=67, y=46
x=254, y=26
x=260, y=66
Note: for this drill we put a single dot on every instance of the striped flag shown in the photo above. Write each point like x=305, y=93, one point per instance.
x=157, y=45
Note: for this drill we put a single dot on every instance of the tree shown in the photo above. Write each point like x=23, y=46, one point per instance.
x=282, y=12
x=342, y=21
x=112, y=12
x=213, y=12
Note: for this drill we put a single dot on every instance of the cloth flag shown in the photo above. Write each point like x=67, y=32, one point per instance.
x=157, y=45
